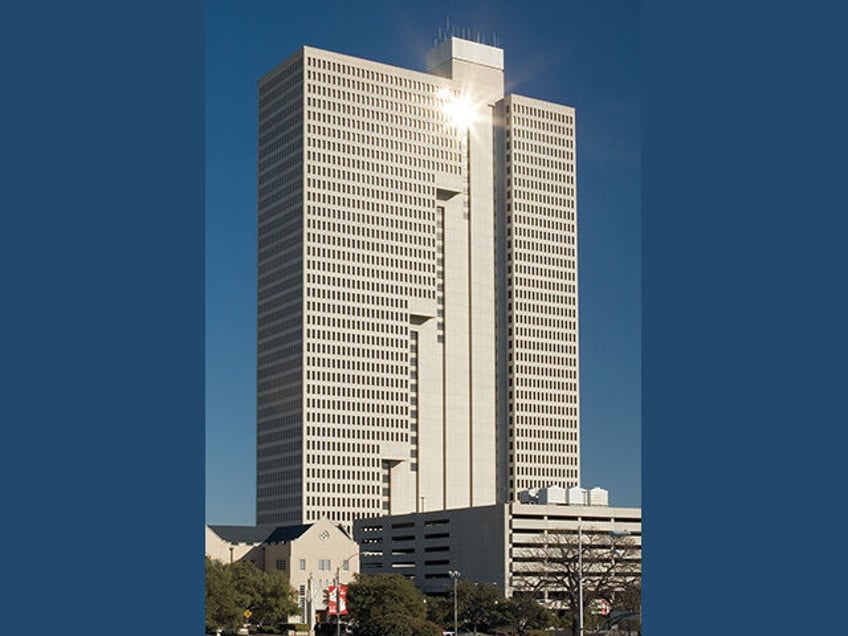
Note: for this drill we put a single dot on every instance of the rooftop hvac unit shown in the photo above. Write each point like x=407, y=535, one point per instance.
x=552, y=495
x=576, y=496
x=531, y=496
x=598, y=497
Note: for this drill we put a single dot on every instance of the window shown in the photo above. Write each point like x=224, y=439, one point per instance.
x=302, y=564
x=324, y=565
x=281, y=564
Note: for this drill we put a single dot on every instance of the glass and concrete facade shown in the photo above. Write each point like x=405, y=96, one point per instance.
x=417, y=286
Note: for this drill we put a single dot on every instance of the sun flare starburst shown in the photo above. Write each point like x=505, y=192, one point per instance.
x=459, y=109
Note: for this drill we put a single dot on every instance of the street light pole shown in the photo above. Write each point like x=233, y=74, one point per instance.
x=339, y=593
x=454, y=575
x=580, y=579
x=309, y=614
x=613, y=533
x=338, y=602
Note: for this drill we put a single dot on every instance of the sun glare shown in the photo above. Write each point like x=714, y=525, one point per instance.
x=460, y=111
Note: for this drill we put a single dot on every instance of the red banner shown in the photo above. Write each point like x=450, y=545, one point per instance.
x=337, y=603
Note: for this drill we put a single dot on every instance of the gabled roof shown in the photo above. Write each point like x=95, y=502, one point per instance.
x=259, y=534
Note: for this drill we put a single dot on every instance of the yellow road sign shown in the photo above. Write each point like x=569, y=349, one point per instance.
x=247, y=613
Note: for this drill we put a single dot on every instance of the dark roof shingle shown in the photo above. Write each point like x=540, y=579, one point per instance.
x=259, y=534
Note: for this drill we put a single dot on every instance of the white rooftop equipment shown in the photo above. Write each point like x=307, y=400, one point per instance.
x=552, y=495
x=598, y=497
x=576, y=496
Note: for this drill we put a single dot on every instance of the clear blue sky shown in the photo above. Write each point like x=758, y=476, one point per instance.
x=583, y=54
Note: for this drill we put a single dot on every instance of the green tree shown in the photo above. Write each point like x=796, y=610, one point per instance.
x=626, y=614
x=440, y=610
x=628, y=599
x=223, y=605
x=268, y=596
x=274, y=600
x=478, y=605
x=388, y=605
x=524, y=613
x=232, y=589
x=399, y=625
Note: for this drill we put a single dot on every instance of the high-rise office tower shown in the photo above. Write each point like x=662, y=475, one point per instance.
x=417, y=313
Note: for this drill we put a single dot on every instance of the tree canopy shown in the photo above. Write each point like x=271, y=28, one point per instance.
x=523, y=613
x=232, y=589
x=388, y=605
x=481, y=607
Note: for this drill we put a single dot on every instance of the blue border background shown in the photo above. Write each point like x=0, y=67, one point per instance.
x=102, y=261
x=744, y=326
x=744, y=317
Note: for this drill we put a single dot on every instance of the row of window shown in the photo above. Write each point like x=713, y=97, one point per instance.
x=369, y=172
x=388, y=124
x=382, y=124
x=279, y=80
x=354, y=392
x=341, y=321
x=537, y=113
x=325, y=342
x=415, y=153
x=555, y=142
x=380, y=150
x=397, y=227
x=342, y=72
x=530, y=406
x=359, y=404
x=349, y=271
x=324, y=565
x=347, y=487
x=425, y=109
x=551, y=283
x=533, y=465
x=318, y=283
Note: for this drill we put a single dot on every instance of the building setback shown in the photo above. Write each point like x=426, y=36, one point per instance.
x=417, y=288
